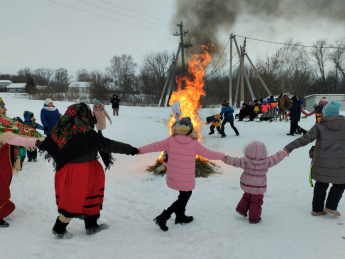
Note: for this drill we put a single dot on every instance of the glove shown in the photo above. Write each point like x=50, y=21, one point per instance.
x=134, y=151
x=110, y=122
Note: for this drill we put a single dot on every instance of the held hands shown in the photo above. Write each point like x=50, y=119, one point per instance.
x=134, y=151
x=287, y=152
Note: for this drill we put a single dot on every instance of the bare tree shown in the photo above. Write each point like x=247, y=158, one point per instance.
x=337, y=56
x=42, y=76
x=99, y=88
x=60, y=81
x=153, y=74
x=122, y=69
x=320, y=53
x=83, y=75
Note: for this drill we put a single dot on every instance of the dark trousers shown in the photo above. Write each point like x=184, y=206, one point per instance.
x=32, y=154
x=100, y=133
x=295, y=127
x=334, y=196
x=179, y=206
x=232, y=126
x=252, y=203
x=212, y=128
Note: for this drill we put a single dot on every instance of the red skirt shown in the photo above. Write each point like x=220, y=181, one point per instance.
x=79, y=189
x=6, y=206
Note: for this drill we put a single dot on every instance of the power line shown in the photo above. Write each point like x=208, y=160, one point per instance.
x=121, y=13
x=288, y=44
x=134, y=11
x=81, y=10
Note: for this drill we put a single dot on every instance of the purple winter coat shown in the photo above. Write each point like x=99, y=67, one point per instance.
x=182, y=150
x=255, y=165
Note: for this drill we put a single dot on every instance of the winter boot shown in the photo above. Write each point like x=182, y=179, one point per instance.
x=254, y=221
x=333, y=212
x=314, y=213
x=59, y=230
x=161, y=220
x=241, y=213
x=4, y=224
x=92, y=227
x=212, y=132
x=182, y=218
x=223, y=135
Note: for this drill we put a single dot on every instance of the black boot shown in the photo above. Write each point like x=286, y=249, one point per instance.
x=59, y=230
x=4, y=224
x=161, y=220
x=182, y=218
x=92, y=227
x=212, y=132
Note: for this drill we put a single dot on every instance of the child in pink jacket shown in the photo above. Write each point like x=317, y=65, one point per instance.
x=253, y=179
x=182, y=147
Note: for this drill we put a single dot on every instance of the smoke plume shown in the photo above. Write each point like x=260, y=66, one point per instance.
x=207, y=19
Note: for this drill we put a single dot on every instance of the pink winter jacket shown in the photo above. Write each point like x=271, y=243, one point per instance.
x=182, y=150
x=255, y=165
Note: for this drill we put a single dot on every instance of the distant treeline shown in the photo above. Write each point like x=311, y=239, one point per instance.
x=293, y=69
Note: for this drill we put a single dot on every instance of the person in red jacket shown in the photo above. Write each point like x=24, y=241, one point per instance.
x=12, y=135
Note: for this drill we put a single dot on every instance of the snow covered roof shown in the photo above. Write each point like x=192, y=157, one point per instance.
x=16, y=85
x=6, y=81
x=80, y=84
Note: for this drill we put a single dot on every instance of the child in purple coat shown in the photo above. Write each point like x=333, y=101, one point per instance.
x=253, y=179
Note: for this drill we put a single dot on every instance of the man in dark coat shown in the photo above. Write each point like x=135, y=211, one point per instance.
x=295, y=116
x=115, y=104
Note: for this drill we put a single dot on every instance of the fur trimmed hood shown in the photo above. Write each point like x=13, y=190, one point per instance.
x=183, y=130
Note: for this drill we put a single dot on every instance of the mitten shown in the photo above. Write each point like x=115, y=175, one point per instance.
x=134, y=151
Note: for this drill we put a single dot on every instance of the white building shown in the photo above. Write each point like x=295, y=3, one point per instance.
x=310, y=100
x=16, y=88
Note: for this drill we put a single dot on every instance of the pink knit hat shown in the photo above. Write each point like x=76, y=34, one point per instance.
x=256, y=150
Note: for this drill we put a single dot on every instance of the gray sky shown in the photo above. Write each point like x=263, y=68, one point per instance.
x=77, y=34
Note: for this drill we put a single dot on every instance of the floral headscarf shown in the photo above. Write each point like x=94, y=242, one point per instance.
x=73, y=136
x=10, y=128
x=74, y=121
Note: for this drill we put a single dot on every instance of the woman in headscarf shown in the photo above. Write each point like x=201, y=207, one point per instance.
x=12, y=135
x=73, y=145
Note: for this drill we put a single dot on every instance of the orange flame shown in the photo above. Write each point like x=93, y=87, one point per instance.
x=189, y=97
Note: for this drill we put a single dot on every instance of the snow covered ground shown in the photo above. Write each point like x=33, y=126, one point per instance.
x=133, y=197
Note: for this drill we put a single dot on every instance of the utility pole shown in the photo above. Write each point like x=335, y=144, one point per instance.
x=230, y=72
x=243, y=51
x=182, y=45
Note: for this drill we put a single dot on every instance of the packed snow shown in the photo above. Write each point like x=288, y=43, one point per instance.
x=134, y=197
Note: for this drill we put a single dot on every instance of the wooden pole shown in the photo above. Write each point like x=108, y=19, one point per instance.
x=230, y=72
x=172, y=77
x=257, y=73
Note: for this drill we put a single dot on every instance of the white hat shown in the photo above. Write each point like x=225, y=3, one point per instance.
x=48, y=101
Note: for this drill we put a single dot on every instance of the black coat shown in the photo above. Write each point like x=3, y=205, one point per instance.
x=115, y=102
x=295, y=111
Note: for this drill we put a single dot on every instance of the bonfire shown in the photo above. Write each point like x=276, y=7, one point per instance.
x=188, y=94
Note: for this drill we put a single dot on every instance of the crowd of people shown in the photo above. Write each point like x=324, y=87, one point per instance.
x=73, y=144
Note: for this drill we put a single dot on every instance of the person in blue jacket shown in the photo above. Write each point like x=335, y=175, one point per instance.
x=49, y=116
x=227, y=112
x=29, y=119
